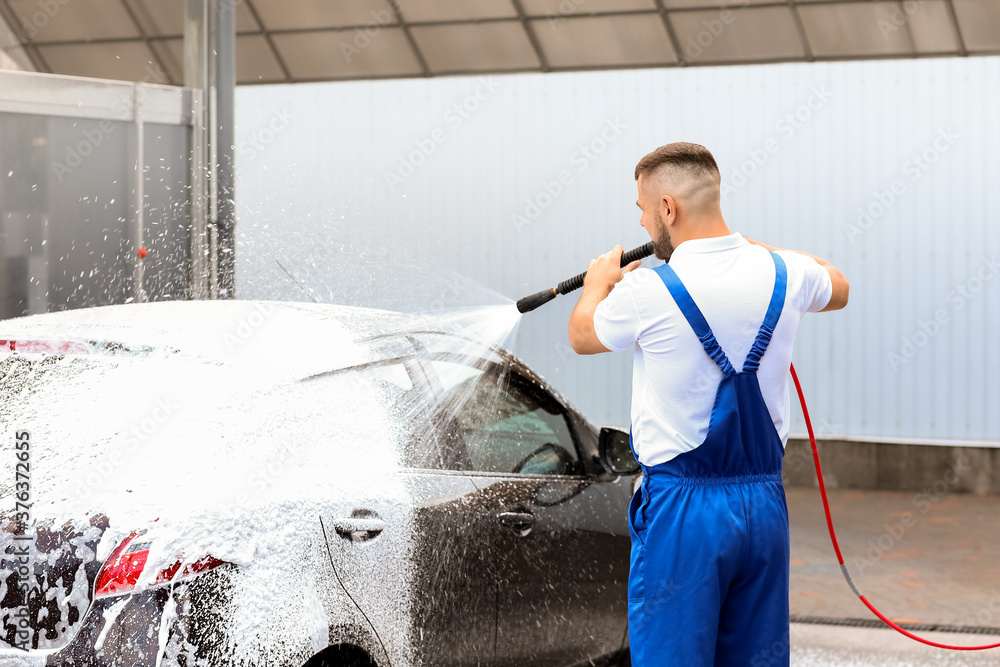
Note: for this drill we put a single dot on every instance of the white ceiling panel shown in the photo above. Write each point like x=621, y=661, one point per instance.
x=170, y=53
x=979, y=21
x=127, y=61
x=165, y=18
x=333, y=54
x=73, y=21
x=717, y=5
x=311, y=14
x=931, y=28
x=255, y=60
x=878, y=29
x=765, y=33
x=616, y=41
x=455, y=10
x=583, y=7
x=479, y=47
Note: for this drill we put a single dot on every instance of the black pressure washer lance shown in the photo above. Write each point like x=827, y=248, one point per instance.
x=533, y=301
x=529, y=303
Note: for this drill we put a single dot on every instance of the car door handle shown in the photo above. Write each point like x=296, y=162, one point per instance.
x=358, y=529
x=521, y=522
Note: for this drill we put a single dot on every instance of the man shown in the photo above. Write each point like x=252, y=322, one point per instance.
x=712, y=333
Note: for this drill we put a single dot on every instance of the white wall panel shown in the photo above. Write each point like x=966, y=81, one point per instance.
x=315, y=193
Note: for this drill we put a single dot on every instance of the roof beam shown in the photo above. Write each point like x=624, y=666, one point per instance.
x=10, y=18
x=394, y=7
x=801, y=29
x=287, y=73
x=950, y=8
x=675, y=43
x=532, y=37
x=146, y=40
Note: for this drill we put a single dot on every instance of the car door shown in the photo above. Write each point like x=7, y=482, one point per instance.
x=560, y=541
x=411, y=543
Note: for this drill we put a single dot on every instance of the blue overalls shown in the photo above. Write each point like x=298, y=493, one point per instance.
x=708, y=582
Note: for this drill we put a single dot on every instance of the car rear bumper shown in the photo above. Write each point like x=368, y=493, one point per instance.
x=175, y=625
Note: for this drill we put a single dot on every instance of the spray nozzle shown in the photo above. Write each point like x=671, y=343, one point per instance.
x=533, y=301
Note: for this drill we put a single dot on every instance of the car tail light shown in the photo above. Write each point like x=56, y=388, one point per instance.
x=122, y=569
x=45, y=346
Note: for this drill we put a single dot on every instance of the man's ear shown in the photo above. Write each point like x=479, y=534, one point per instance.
x=669, y=208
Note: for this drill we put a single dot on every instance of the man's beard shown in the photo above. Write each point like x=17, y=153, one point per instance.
x=663, y=247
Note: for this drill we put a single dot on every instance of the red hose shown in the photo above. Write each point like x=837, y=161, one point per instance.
x=836, y=547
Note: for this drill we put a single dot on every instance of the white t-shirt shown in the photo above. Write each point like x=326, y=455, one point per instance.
x=673, y=380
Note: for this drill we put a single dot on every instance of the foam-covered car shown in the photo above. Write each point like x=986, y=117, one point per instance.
x=256, y=483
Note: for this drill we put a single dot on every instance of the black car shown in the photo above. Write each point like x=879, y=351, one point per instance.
x=256, y=483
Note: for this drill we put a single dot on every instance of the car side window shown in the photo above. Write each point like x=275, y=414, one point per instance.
x=505, y=423
x=409, y=404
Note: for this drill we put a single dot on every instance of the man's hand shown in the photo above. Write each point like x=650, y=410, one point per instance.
x=603, y=274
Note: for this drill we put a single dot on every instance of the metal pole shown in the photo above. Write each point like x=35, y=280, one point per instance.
x=139, y=192
x=225, y=79
x=196, y=77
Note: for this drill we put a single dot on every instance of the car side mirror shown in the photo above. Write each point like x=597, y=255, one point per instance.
x=616, y=451
x=549, y=459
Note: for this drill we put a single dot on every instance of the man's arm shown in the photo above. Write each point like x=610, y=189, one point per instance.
x=603, y=274
x=841, y=288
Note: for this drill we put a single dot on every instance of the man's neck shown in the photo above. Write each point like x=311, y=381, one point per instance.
x=702, y=229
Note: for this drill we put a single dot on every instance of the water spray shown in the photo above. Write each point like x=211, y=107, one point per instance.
x=533, y=301
x=529, y=303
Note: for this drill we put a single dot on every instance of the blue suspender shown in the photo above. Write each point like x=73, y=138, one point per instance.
x=771, y=318
x=700, y=326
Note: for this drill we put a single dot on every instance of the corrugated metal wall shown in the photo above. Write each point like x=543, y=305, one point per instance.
x=888, y=168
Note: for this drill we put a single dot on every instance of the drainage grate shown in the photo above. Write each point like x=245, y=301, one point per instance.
x=912, y=627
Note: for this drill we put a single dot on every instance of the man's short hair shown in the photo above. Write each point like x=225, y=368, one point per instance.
x=692, y=158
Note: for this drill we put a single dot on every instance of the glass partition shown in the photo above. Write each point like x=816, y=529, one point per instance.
x=68, y=206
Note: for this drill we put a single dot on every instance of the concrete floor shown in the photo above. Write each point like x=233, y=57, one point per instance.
x=919, y=557
x=831, y=646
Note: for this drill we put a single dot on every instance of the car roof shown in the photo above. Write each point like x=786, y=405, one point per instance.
x=278, y=341
x=300, y=338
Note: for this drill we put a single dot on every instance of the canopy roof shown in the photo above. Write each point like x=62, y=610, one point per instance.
x=321, y=40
